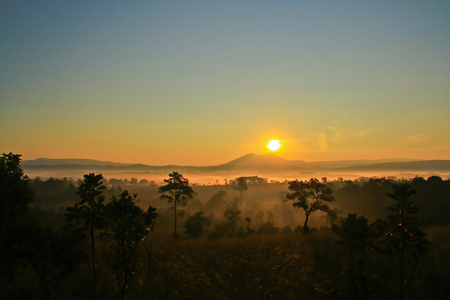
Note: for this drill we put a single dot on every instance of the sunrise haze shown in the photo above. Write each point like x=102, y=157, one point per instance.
x=202, y=83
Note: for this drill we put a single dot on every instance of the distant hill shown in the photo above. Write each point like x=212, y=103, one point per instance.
x=254, y=162
x=69, y=161
x=423, y=165
x=248, y=162
x=95, y=165
x=337, y=164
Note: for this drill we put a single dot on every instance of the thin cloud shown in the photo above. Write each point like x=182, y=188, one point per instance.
x=344, y=135
x=418, y=138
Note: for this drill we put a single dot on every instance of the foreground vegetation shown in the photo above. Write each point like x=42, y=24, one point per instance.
x=280, y=266
x=104, y=248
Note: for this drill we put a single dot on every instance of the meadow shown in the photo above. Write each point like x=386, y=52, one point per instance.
x=277, y=266
x=230, y=243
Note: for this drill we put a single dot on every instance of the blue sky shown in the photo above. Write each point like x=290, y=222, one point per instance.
x=203, y=82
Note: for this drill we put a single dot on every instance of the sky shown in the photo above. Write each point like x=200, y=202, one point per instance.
x=204, y=82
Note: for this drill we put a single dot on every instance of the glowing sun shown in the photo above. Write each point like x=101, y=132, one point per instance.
x=273, y=145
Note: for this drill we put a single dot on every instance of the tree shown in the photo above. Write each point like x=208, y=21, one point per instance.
x=15, y=227
x=15, y=194
x=356, y=236
x=332, y=216
x=194, y=225
x=354, y=232
x=310, y=196
x=128, y=225
x=23, y=242
x=89, y=210
x=216, y=201
x=233, y=216
x=267, y=228
x=54, y=255
x=144, y=182
x=241, y=185
x=249, y=229
x=404, y=230
x=177, y=190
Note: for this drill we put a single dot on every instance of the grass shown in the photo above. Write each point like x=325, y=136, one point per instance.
x=279, y=266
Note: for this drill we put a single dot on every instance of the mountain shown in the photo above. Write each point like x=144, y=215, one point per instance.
x=97, y=165
x=248, y=162
x=69, y=161
x=337, y=164
x=256, y=162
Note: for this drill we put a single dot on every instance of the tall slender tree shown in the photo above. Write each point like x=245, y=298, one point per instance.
x=310, y=196
x=356, y=236
x=178, y=191
x=404, y=232
x=241, y=185
x=89, y=210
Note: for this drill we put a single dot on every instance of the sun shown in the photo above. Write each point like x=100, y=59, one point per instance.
x=274, y=145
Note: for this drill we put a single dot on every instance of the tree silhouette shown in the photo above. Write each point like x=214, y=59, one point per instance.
x=404, y=230
x=356, y=237
x=241, y=185
x=89, y=210
x=194, y=224
x=53, y=256
x=129, y=225
x=177, y=190
x=15, y=227
x=310, y=196
x=216, y=201
x=233, y=216
x=249, y=230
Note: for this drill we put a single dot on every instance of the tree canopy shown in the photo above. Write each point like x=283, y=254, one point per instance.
x=310, y=196
x=176, y=191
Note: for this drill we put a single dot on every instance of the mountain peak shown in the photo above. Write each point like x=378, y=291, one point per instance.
x=253, y=161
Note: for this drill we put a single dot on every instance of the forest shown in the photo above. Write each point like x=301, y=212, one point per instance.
x=99, y=238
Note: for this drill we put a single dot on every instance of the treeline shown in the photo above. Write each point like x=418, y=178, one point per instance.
x=101, y=246
x=369, y=196
x=261, y=202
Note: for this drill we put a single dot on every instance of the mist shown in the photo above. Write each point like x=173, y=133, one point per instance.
x=263, y=202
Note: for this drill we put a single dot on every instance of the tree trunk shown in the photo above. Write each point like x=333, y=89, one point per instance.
x=175, y=210
x=46, y=293
x=123, y=284
x=305, y=227
x=94, y=277
x=402, y=256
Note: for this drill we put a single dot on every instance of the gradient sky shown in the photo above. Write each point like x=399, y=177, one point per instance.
x=203, y=82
